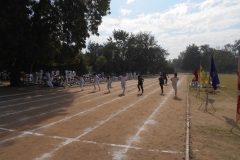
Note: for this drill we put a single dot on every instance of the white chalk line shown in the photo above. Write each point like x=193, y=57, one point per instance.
x=188, y=126
x=29, y=97
x=227, y=94
x=47, y=155
x=10, y=95
x=68, y=117
x=26, y=118
x=52, y=104
x=91, y=142
x=45, y=98
x=120, y=155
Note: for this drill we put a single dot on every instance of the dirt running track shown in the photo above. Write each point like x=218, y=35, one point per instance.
x=39, y=123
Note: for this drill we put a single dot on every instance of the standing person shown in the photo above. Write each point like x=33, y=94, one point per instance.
x=108, y=83
x=161, y=82
x=140, y=83
x=96, y=81
x=165, y=76
x=174, y=83
x=123, y=82
x=81, y=81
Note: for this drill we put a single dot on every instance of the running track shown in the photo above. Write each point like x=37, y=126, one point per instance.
x=72, y=124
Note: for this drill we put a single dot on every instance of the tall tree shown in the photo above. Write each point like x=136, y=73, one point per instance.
x=50, y=32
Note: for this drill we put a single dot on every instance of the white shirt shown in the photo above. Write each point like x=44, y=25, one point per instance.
x=95, y=79
x=174, y=80
x=123, y=79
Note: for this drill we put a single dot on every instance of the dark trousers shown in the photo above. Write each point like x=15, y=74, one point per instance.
x=161, y=85
x=165, y=80
x=140, y=85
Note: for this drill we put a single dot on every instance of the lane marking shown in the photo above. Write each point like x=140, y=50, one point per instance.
x=68, y=117
x=11, y=113
x=119, y=154
x=188, y=126
x=49, y=154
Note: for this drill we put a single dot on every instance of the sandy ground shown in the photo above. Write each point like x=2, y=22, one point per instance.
x=55, y=123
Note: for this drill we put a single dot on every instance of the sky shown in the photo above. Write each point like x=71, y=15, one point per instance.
x=175, y=24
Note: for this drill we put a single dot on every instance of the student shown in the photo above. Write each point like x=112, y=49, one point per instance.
x=174, y=83
x=123, y=82
x=96, y=81
x=161, y=82
x=165, y=76
x=108, y=83
x=81, y=81
x=140, y=83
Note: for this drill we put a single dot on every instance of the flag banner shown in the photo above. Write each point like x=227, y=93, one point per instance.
x=214, y=75
x=196, y=73
x=203, y=76
x=238, y=99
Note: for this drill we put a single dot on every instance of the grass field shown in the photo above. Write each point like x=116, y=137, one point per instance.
x=210, y=131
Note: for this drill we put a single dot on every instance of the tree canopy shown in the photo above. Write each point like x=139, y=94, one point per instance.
x=46, y=32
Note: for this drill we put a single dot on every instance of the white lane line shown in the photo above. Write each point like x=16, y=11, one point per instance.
x=10, y=95
x=30, y=109
x=90, y=142
x=48, y=155
x=120, y=154
x=25, y=98
x=17, y=104
x=133, y=147
x=69, y=117
x=11, y=113
x=29, y=97
x=49, y=111
x=188, y=126
x=227, y=95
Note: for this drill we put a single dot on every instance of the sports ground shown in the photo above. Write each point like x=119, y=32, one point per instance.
x=56, y=123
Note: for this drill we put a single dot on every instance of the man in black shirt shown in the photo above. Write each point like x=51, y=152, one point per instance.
x=165, y=76
x=140, y=83
x=161, y=82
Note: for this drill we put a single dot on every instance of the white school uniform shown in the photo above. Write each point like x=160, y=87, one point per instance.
x=123, y=82
x=96, y=82
x=174, y=83
x=81, y=82
x=109, y=84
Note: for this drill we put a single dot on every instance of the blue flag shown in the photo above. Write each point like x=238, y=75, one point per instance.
x=214, y=75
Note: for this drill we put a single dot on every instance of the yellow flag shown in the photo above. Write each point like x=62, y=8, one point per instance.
x=203, y=76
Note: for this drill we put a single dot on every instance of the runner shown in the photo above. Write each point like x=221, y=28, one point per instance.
x=161, y=82
x=140, y=83
x=174, y=83
x=81, y=81
x=123, y=82
x=96, y=81
x=108, y=83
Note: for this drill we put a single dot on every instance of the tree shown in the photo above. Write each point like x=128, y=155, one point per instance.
x=191, y=57
x=49, y=32
x=100, y=63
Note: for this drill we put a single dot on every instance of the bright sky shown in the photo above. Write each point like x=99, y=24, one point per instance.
x=175, y=23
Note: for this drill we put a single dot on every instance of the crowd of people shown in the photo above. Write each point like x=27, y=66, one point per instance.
x=69, y=78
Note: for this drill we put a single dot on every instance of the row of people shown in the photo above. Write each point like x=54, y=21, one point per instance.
x=123, y=80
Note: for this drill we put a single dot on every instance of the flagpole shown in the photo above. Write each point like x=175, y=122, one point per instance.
x=206, y=104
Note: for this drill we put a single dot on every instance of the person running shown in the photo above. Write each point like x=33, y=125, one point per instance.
x=161, y=82
x=108, y=83
x=123, y=82
x=81, y=81
x=165, y=76
x=140, y=83
x=96, y=81
x=174, y=83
